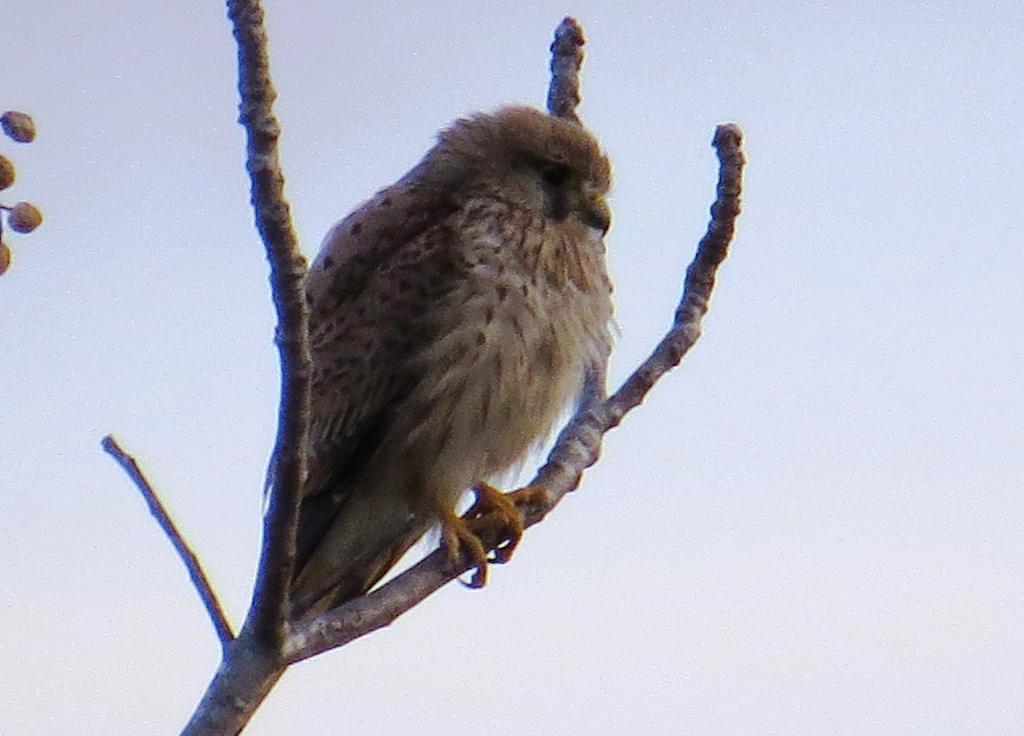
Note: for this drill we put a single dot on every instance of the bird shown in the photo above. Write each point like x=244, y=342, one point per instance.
x=453, y=319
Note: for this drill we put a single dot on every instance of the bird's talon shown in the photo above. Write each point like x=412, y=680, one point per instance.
x=497, y=511
x=479, y=577
x=501, y=555
x=463, y=545
x=493, y=515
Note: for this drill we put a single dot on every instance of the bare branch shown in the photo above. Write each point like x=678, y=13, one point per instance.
x=188, y=557
x=267, y=645
x=287, y=270
x=577, y=447
x=700, y=279
x=566, y=59
x=247, y=673
x=252, y=664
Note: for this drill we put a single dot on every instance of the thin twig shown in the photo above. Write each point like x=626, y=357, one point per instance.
x=563, y=98
x=699, y=283
x=579, y=444
x=566, y=59
x=188, y=557
x=287, y=270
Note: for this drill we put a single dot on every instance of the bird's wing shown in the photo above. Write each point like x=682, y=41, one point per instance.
x=367, y=292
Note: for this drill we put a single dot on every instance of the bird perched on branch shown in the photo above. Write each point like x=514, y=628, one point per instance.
x=453, y=318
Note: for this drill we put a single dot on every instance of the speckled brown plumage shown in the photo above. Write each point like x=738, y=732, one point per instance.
x=452, y=318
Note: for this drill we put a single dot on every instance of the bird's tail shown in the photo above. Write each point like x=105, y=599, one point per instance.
x=347, y=542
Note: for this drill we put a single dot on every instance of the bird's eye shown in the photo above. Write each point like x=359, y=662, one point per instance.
x=555, y=174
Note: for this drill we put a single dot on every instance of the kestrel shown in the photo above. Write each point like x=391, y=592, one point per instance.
x=453, y=318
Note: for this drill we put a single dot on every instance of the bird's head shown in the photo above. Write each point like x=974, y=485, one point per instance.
x=539, y=162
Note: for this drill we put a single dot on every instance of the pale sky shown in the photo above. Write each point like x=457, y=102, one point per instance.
x=814, y=526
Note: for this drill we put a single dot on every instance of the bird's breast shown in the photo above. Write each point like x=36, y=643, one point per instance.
x=515, y=337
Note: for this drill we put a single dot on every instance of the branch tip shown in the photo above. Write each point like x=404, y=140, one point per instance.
x=566, y=60
x=728, y=135
x=159, y=512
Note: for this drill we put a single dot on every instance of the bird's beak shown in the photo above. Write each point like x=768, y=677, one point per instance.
x=596, y=213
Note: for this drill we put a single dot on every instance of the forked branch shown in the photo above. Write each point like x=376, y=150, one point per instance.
x=266, y=647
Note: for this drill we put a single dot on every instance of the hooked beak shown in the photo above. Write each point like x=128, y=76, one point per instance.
x=597, y=214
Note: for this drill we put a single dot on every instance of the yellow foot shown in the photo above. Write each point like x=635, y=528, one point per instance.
x=459, y=541
x=500, y=512
x=494, y=515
